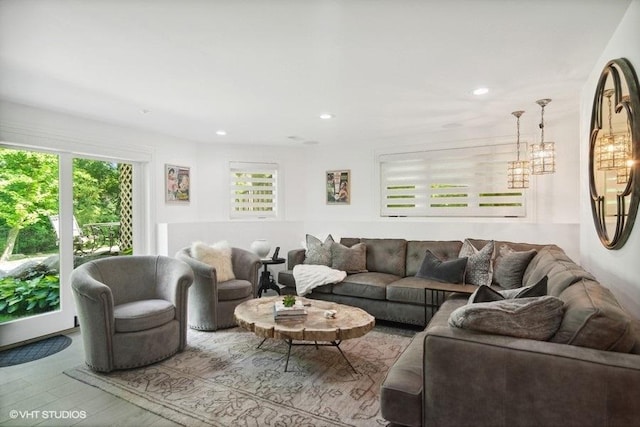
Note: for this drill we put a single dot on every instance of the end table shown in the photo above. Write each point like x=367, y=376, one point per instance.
x=266, y=279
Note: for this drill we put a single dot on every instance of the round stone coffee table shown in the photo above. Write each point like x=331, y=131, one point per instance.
x=256, y=315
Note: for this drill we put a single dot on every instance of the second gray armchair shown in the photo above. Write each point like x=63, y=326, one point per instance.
x=212, y=302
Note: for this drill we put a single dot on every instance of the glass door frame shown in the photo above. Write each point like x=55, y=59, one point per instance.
x=63, y=319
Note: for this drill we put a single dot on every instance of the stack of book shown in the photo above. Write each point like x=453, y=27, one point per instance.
x=295, y=312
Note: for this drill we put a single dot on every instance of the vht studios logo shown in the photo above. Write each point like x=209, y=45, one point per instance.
x=48, y=415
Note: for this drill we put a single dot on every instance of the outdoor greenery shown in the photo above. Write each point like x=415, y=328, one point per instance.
x=37, y=294
x=29, y=197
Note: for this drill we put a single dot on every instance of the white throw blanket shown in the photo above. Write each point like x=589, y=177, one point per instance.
x=309, y=276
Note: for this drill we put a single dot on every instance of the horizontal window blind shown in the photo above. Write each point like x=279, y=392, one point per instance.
x=449, y=182
x=253, y=189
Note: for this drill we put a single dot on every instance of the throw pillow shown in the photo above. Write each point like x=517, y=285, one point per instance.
x=352, y=260
x=479, y=269
x=510, y=267
x=487, y=294
x=434, y=268
x=536, y=318
x=218, y=256
x=318, y=253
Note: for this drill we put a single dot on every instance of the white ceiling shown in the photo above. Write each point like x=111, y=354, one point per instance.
x=391, y=71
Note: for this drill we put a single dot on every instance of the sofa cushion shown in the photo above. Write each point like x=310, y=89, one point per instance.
x=562, y=272
x=516, y=246
x=510, y=265
x=351, y=260
x=365, y=285
x=411, y=290
x=487, y=294
x=479, y=266
x=445, y=250
x=318, y=252
x=401, y=390
x=142, y=315
x=349, y=241
x=386, y=255
x=536, y=318
x=234, y=289
x=451, y=271
x=218, y=256
x=594, y=319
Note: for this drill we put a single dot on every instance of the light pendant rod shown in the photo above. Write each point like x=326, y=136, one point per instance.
x=518, y=114
x=518, y=171
x=543, y=156
x=542, y=103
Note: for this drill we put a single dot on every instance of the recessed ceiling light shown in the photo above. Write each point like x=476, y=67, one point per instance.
x=310, y=142
x=326, y=116
x=145, y=111
x=221, y=132
x=481, y=91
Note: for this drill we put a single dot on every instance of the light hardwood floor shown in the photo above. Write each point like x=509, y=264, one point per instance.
x=41, y=386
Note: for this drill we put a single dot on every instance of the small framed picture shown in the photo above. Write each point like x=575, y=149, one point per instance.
x=338, y=187
x=177, y=184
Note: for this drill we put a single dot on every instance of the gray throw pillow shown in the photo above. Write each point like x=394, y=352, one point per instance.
x=488, y=294
x=318, y=253
x=434, y=268
x=536, y=318
x=352, y=260
x=510, y=266
x=479, y=269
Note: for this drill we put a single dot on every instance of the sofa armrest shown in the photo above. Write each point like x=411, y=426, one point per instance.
x=94, y=305
x=471, y=378
x=295, y=257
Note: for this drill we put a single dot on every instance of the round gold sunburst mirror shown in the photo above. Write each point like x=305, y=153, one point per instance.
x=614, y=182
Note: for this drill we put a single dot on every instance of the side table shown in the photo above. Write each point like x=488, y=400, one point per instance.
x=266, y=279
x=438, y=293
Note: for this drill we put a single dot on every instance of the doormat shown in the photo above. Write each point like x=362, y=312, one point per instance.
x=34, y=351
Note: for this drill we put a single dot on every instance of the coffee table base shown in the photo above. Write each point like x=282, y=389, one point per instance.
x=290, y=344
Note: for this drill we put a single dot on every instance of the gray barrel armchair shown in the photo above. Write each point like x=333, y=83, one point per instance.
x=132, y=309
x=211, y=302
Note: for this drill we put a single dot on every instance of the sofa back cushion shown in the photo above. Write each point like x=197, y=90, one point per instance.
x=386, y=255
x=593, y=318
x=518, y=247
x=561, y=271
x=444, y=250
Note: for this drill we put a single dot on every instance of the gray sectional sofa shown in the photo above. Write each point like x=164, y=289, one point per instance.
x=587, y=374
x=389, y=289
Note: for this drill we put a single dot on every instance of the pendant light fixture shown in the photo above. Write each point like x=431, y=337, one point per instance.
x=624, y=171
x=543, y=155
x=611, y=150
x=518, y=170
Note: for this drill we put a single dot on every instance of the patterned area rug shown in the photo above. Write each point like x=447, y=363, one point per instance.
x=34, y=351
x=222, y=379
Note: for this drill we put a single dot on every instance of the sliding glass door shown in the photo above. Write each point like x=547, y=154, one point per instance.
x=56, y=211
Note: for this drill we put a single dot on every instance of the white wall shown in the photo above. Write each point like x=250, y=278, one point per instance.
x=617, y=269
x=552, y=217
x=552, y=199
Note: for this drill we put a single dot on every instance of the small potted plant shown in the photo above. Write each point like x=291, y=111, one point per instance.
x=289, y=300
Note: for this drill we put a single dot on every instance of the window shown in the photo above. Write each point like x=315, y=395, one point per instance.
x=449, y=182
x=253, y=189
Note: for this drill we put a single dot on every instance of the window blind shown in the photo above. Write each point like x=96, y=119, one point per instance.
x=253, y=189
x=449, y=182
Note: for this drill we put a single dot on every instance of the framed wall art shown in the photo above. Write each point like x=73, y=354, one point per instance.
x=338, y=187
x=177, y=184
